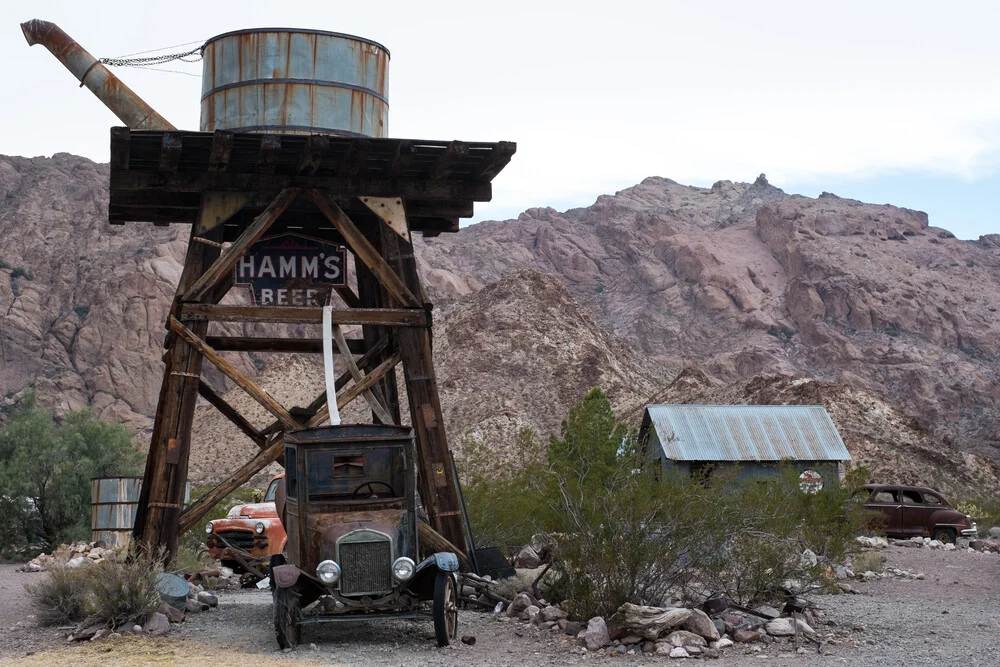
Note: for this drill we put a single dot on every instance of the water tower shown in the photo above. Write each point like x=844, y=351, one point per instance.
x=292, y=170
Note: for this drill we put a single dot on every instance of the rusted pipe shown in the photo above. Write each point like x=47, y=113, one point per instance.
x=108, y=88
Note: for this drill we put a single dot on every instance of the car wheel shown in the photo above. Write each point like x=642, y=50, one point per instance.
x=445, y=611
x=945, y=535
x=286, y=618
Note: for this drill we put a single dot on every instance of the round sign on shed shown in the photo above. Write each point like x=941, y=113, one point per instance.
x=810, y=481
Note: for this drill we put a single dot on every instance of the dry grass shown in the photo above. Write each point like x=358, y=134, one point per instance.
x=138, y=650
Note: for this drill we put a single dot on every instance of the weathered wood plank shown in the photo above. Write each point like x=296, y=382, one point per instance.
x=313, y=152
x=358, y=388
x=355, y=159
x=347, y=294
x=230, y=413
x=222, y=151
x=250, y=235
x=498, y=158
x=267, y=157
x=352, y=368
x=249, y=344
x=170, y=152
x=446, y=162
x=364, y=250
x=408, y=188
x=401, y=158
x=246, y=384
x=398, y=317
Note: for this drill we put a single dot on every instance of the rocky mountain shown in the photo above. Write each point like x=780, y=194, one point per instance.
x=868, y=302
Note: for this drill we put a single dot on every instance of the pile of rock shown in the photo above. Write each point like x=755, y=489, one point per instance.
x=961, y=544
x=70, y=555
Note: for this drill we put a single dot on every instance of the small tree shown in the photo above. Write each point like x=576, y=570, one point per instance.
x=45, y=469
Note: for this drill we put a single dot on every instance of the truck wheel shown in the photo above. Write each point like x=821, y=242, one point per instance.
x=275, y=561
x=286, y=618
x=445, y=611
x=944, y=535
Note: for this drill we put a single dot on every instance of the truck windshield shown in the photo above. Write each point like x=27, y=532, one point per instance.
x=271, y=490
x=355, y=474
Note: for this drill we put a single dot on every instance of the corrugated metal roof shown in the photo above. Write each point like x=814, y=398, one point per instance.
x=747, y=433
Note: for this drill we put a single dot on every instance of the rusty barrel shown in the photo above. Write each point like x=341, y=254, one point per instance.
x=285, y=81
x=113, y=503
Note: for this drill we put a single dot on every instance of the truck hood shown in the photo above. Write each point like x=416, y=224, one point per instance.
x=253, y=511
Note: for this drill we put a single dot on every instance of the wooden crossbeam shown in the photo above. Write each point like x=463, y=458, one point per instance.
x=448, y=159
x=389, y=317
x=246, y=384
x=357, y=154
x=498, y=158
x=270, y=148
x=348, y=295
x=230, y=413
x=170, y=152
x=401, y=158
x=352, y=368
x=252, y=344
x=197, y=510
x=408, y=188
x=222, y=151
x=250, y=235
x=364, y=250
x=313, y=152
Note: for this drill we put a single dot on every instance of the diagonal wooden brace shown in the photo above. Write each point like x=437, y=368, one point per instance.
x=222, y=266
x=245, y=383
x=364, y=250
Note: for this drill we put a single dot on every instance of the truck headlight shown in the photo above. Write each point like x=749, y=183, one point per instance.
x=208, y=528
x=260, y=527
x=403, y=569
x=328, y=572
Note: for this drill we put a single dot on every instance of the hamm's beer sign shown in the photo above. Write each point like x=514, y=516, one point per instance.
x=292, y=270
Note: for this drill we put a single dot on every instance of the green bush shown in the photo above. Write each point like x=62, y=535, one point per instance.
x=59, y=598
x=45, y=471
x=21, y=272
x=625, y=536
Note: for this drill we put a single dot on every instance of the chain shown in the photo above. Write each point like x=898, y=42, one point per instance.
x=192, y=56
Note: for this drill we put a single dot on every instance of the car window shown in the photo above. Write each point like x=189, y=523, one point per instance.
x=911, y=498
x=931, y=499
x=271, y=491
x=884, y=497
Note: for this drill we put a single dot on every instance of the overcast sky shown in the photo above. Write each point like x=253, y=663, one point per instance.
x=889, y=102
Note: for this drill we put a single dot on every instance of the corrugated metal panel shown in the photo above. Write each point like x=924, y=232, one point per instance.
x=747, y=433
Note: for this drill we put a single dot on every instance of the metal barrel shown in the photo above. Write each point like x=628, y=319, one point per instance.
x=285, y=81
x=123, y=102
x=113, y=503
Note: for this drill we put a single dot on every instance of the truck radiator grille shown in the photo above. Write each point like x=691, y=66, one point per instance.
x=241, y=539
x=366, y=567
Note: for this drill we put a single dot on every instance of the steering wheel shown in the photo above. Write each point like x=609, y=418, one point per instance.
x=371, y=488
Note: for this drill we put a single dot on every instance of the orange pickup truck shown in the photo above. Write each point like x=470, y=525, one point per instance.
x=252, y=530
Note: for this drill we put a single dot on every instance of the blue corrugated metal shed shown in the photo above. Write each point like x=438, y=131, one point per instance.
x=746, y=432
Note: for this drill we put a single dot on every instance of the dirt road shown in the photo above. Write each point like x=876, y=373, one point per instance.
x=948, y=618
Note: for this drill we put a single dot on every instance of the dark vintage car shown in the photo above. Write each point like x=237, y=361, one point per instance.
x=348, y=506
x=915, y=511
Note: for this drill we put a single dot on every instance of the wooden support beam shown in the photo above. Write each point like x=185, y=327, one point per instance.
x=448, y=159
x=352, y=368
x=390, y=317
x=401, y=158
x=170, y=152
x=250, y=235
x=408, y=188
x=498, y=158
x=197, y=510
x=313, y=152
x=230, y=413
x=250, y=344
x=245, y=383
x=348, y=295
x=357, y=155
x=270, y=148
x=364, y=250
x=222, y=151
x=358, y=388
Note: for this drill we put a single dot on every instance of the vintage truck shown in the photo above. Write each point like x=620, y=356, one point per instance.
x=250, y=532
x=348, y=505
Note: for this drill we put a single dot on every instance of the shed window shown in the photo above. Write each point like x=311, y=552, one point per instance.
x=291, y=474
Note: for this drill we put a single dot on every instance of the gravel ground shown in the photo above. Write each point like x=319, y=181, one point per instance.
x=948, y=618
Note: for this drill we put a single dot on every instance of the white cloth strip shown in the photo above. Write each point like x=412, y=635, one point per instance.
x=331, y=377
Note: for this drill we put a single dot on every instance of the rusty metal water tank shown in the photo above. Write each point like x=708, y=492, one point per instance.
x=287, y=81
x=113, y=502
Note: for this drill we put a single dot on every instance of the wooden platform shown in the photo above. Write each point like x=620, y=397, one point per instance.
x=161, y=176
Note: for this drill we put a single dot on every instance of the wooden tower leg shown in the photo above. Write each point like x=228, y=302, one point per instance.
x=163, y=483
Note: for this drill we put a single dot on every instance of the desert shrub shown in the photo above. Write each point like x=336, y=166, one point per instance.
x=628, y=537
x=984, y=510
x=119, y=591
x=82, y=311
x=45, y=469
x=59, y=598
x=868, y=561
x=4, y=265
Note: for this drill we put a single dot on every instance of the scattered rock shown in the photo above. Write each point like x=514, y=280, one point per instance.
x=527, y=558
x=679, y=652
x=808, y=559
x=596, y=635
x=208, y=598
x=552, y=613
x=469, y=639
x=685, y=638
x=699, y=623
x=157, y=624
x=520, y=602
x=747, y=636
